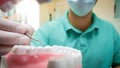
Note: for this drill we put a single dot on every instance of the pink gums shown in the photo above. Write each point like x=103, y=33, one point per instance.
x=29, y=61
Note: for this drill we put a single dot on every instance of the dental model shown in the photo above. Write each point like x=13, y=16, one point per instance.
x=42, y=57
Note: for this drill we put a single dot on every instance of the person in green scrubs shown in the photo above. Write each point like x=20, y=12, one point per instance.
x=80, y=28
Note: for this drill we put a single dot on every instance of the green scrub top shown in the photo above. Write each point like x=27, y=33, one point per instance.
x=99, y=44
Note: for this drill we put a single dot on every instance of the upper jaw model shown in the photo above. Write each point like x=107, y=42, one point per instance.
x=42, y=57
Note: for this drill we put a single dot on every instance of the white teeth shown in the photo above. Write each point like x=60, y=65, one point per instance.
x=72, y=57
x=40, y=50
x=32, y=50
x=65, y=50
x=14, y=49
x=48, y=49
x=57, y=47
x=19, y=50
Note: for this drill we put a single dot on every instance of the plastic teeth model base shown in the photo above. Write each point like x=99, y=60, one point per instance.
x=42, y=57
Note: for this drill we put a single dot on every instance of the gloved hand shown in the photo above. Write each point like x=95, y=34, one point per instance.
x=12, y=33
x=7, y=5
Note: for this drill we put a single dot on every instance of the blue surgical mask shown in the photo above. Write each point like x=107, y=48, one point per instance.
x=81, y=7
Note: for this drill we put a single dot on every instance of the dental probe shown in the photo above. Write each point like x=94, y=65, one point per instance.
x=38, y=41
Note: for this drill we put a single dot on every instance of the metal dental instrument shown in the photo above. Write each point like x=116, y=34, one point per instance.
x=38, y=41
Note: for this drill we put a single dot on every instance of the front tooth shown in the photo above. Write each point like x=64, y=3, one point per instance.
x=61, y=50
x=68, y=50
x=31, y=50
x=48, y=49
x=40, y=50
x=64, y=51
x=19, y=50
x=14, y=49
x=55, y=49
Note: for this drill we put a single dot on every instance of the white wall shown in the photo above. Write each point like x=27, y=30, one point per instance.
x=105, y=9
x=29, y=13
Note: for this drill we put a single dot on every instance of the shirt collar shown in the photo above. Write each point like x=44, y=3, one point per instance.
x=68, y=26
x=95, y=22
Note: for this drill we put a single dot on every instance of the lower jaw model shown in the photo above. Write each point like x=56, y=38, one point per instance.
x=42, y=57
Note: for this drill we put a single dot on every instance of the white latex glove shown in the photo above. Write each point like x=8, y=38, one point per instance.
x=15, y=1
x=12, y=33
x=8, y=5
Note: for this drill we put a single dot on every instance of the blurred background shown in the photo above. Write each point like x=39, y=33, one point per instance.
x=34, y=14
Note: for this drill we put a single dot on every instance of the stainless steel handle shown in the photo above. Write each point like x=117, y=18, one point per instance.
x=38, y=41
